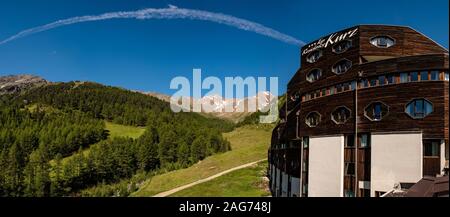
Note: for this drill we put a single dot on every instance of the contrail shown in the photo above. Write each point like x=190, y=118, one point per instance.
x=172, y=12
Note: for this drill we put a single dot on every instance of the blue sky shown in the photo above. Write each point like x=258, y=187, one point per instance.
x=147, y=54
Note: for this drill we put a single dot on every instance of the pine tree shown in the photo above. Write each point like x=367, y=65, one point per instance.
x=167, y=148
x=14, y=171
x=56, y=188
x=147, y=150
x=183, y=154
x=198, y=149
x=37, y=173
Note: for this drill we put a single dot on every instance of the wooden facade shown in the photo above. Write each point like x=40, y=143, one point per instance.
x=366, y=82
x=412, y=52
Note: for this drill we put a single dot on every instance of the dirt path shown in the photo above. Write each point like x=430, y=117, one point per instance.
x=167, y=193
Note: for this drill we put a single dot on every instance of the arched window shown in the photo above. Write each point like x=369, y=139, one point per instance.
x=342, y=46
x=419, y=108
x=342, y=66
x=376, y=111
x=340, y=115
x=313, y=119
x=314, y=75
x=382, y=41
x=314, y=56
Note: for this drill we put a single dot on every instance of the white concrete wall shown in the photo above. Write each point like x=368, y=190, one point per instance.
x=272, y=176
x=295, y=186
x=284, y=184
x=277, y=185
x=326, y=166
x=395, y=158
x=442, y=156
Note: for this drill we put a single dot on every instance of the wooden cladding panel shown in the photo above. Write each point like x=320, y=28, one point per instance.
x=446, y=112
x=403, y=64
x=293, y=162
x=328, y=52
x=396, y=97
x=325, y=106
x=406, y=64
x=349, y=183
x=349, y=155
x=431, y=166
x=364, y=162
x=407, y=42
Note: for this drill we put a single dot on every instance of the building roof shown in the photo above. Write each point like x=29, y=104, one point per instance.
x=430, y=187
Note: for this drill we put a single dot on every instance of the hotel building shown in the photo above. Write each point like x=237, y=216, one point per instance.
x=367, y=112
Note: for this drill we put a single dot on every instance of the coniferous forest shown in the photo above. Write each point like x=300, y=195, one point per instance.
x=53, y=140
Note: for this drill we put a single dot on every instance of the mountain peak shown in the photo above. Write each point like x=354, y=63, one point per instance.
x=16, y=83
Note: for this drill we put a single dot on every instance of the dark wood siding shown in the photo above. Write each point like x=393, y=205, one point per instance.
x=412, y=52
x=408, y=42
x=397, y=97
x=325, y=106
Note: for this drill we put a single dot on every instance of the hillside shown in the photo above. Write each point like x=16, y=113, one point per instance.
x=247, y=182
x=48, y=122
x=248, y=144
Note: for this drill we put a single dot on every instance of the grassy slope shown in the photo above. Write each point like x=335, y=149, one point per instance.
x=247, y=182
x=117, y=130
x=249, y=143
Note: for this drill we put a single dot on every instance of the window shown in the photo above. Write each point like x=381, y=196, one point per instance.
x=373, y=82
x=314, y=75
x=414, y=76
x=305, y=142
x=314, y=56
x=364, y=141
x=324, y=92
x=382, y=80
x=382, y=41
x=346, y=86
x=308, y=96
x=424, y=76
x=305, y=190
x=340, y=115
x=349, y=193
x=349, y=141
x=431, y=157
x=431, y=149
x=434, y=75
x=342, y=66
x=403, y=77
x=364, y=83
x=313, y=119
x=342, y=46
x=376, y=111
x=332, y=90
x=349, y=168
x=353, y=85
x=390, y=79
x=419, y=108
x=339, y=88
x=446, y=76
